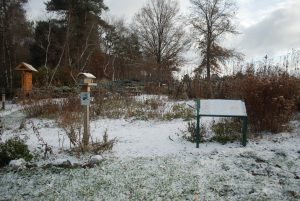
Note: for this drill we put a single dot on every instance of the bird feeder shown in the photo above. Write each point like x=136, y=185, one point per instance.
x=26, y=76
x=86, y=81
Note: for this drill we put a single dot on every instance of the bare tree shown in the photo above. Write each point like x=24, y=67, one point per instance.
x=161, y=35
x=212, y=20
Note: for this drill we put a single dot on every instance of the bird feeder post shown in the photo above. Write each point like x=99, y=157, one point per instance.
x=86, y=118
x=86, y=80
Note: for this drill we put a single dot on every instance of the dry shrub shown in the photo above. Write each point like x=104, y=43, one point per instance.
x=198, y=89
x=71, y=122
x=270, y=99
x=45, y=108
x=71, y=104
x=298, y=96
x=105, y=145
x=47, y=148
x=46, y=93
x=70, y=119
x=51, y=108
x=116, y=106
x=155, y=88
x=69, y=115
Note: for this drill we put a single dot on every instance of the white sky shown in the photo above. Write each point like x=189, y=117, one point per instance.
x=267, y=26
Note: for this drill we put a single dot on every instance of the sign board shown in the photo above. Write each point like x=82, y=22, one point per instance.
x=218, y=107
x=221, y=108
x=85, y=98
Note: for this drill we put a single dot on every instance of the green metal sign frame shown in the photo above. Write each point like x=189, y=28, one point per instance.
x=198, y=116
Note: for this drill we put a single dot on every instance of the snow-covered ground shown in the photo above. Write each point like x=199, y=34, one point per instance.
x=151, y=161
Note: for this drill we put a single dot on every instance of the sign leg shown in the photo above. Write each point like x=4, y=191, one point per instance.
x=198, y=124
x=245, y=129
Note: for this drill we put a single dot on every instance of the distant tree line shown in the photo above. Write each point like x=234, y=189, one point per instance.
x=79, y=39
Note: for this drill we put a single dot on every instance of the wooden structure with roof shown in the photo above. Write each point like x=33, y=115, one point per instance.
x=26, y=76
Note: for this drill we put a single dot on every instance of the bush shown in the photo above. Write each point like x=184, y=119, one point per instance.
x=13, y=149
x=298, y=97
x=71, y=122
x=227, y=130
x=270, y=99
x=105, y=145
x=116, y=107
x=47, y=108
x=179, y=111
x=191, y=131
x=50, y=108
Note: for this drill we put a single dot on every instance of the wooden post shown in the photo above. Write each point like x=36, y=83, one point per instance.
x=86, y=121
x=3, y=100
x=86, y=125
x=86, y=82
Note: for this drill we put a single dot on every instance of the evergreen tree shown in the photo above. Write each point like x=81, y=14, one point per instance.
x=15, y=38
x=81, y=20
x=122, y=48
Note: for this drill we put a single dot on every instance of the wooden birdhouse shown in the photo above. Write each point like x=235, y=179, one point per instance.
x=26, y=76
x=87, y=79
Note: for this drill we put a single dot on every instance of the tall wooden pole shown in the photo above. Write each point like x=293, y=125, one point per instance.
x=86, y=125
x=86, y=121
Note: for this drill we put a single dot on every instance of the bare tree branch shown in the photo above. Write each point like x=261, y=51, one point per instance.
x=162, y=35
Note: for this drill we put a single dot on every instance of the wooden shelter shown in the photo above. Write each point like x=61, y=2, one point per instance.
x=26, y=76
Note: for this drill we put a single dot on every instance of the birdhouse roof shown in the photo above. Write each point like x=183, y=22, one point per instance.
x=87, y=75
x=25, y=67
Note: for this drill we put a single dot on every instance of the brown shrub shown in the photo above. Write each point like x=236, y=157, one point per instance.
x=270, y=99
x=298, y=97
x=45, y=108
x=71, y=122
x=52, y=108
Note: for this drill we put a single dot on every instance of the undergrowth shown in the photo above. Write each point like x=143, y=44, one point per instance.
x=227, y=130
x=116, y=107
x=113, y=107
x=13, y=149
x=223, y=131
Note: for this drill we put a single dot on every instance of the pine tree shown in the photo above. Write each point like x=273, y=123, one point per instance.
x=15, y=38
x=81, y=20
